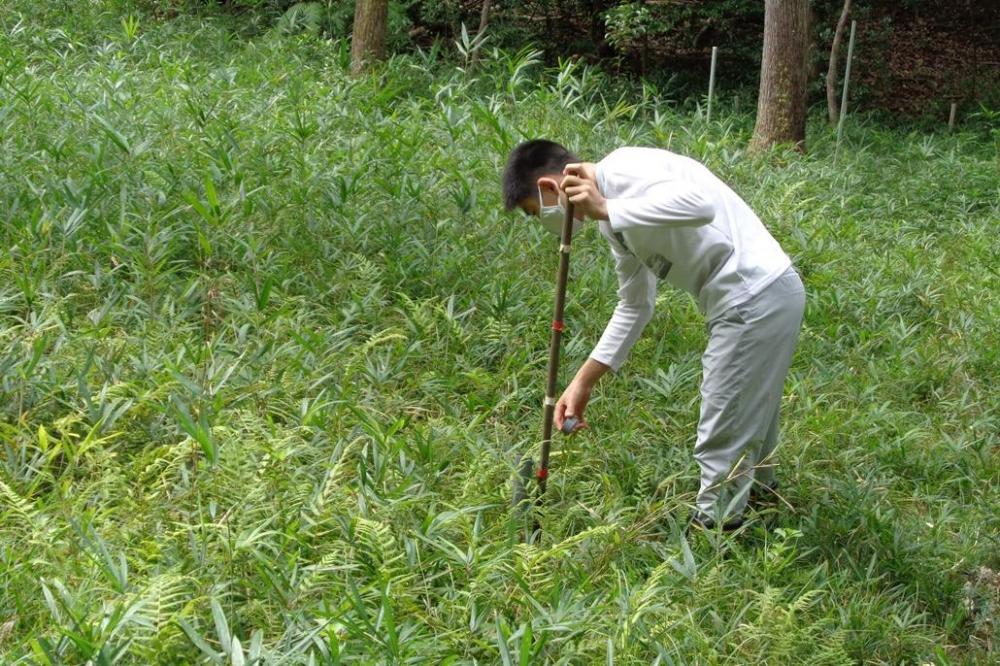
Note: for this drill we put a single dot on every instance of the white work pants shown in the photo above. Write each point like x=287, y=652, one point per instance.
x=749, y=350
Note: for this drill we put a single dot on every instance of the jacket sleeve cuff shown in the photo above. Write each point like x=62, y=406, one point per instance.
x=615, y=218
x=608, y=360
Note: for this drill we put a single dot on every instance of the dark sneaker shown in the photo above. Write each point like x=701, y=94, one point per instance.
x=702, y=521
x=763, y=495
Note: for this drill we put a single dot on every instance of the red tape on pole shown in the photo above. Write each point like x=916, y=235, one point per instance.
x=542, y=473
x=558, y=326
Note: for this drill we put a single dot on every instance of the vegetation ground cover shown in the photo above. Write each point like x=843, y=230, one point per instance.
x=269, y=346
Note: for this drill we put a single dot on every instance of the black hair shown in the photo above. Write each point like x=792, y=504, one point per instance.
x=529, y=161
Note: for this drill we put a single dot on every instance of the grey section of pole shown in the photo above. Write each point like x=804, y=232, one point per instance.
x=525, y=470
x=711, y=82
x=951, y=116
x=847, y=82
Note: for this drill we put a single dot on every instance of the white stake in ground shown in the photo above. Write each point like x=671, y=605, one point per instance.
x=847, y=81
x=711, y=82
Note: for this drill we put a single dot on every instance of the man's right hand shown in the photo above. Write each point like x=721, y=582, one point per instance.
x=573, y=403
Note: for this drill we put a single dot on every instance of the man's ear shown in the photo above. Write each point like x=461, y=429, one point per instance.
x=548, y=184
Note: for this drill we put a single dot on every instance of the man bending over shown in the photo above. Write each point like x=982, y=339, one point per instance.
x=667, y=217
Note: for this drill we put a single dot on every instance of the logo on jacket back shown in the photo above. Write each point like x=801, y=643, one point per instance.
x=659, y=264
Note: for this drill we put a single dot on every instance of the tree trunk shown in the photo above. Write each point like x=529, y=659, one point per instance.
x=484, y=21
x=484, y=16
x=781, y=103
x=831, y=73
x=368, y=39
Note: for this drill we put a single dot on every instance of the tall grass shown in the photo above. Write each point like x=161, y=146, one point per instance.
x=269, y=347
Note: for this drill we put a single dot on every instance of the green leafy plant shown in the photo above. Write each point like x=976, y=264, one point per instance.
x=269, y=348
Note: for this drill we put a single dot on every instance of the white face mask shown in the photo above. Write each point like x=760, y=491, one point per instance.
x=552, y=217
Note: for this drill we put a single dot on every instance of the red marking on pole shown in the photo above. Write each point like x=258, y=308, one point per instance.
x=557, y=325
x=542, y=474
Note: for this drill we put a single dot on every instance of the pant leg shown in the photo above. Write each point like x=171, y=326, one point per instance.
x=766, y=459
x=748, y=354
x=722, y=426
x=790, y=292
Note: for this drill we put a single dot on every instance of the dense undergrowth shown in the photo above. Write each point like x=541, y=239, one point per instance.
x=269, y=347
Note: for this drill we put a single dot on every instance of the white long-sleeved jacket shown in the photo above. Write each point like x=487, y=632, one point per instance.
x=673, y=219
